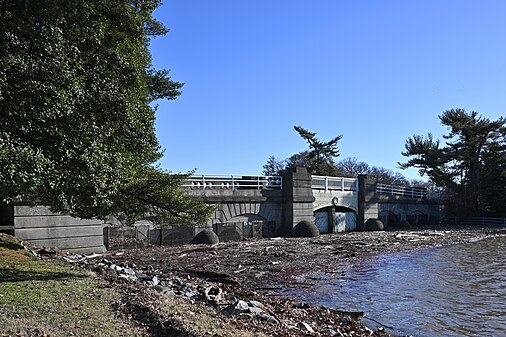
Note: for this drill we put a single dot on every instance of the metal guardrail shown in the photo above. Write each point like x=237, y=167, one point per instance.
x=233, y=182
x=483, y=221
x=334, y=183
x=401, y=191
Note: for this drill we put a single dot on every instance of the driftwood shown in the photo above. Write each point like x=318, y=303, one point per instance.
x=213, y=276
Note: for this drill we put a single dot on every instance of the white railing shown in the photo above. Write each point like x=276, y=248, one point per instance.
x=401, y=191
x=483, y=221
x=233, y=182
x=334, y=183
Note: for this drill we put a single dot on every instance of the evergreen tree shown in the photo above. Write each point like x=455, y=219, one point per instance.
x=466, y=165
x=319, y=159
x=273, y=167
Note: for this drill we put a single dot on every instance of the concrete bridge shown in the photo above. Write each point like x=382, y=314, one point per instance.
x=273, y=205
x=335, y=204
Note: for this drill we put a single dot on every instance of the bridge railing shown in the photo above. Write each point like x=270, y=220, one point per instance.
x=402, y=191
x=483, y=221
x=233, y=182
x=334, y=183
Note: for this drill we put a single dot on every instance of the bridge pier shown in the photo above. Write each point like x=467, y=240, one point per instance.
x=298, y=199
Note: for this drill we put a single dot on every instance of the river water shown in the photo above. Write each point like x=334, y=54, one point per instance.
x=457, y=290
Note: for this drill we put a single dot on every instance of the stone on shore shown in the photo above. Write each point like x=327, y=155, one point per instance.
x=305, y=229
x=374, y=225
x=206, y=236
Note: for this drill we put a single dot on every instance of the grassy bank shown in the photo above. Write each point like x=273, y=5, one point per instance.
x=51, y=298
x=40, y=297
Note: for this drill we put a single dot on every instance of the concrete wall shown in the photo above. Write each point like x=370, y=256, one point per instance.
x=41, y=227
x=373, y=205
x=323, y=199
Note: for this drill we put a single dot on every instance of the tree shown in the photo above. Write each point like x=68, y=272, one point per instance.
x=273, y=167
x=319, y=159
x=76, y=124
x=351, y=167
x=468, y=165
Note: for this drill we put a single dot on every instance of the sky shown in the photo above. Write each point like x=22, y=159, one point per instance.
x=375, y=72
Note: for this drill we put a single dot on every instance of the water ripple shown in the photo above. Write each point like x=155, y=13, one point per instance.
x=450, y=291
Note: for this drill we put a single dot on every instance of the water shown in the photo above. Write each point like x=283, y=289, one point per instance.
x=450, y=291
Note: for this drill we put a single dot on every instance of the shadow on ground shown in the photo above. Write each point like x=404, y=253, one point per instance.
x=16, y=275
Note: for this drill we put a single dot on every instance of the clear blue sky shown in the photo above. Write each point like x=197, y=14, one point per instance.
x=376, y=72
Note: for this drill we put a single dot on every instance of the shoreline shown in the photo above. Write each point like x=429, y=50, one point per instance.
x=223, y=275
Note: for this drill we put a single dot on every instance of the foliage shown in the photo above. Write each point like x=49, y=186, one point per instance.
x=471, y=164
x=76, y=124
x=350, y=167
x=319, y=159
x=273, y=167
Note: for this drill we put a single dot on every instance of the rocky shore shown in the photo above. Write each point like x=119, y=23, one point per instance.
x=239, y=283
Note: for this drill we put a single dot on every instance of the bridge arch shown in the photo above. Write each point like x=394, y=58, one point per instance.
x=335, y=219
x=417, y=218
x=390, y=218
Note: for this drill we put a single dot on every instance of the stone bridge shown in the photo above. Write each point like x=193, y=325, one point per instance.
x=243, y=202
x=335, y=204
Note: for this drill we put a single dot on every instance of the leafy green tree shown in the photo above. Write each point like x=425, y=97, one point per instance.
x=76, y=124
x=319, y=159
x=466, y=164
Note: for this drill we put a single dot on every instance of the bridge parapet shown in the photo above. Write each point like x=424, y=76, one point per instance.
x=407, y=192
x=334, y=183
x=233, y=182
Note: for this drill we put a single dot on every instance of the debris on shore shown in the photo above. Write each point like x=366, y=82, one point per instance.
x=240, y=281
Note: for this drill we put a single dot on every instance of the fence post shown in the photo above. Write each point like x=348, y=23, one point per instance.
x=326, y=183
x=342, y=183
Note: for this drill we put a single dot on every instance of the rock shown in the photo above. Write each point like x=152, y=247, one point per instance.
x=374, y=225
x=256, y=304
x=268, y=319
x=213, y=294
x=238, y=307
x=128, y=277
x=289, y=324
x=241, y=306
x=168, y=292
x=305, y=229
x=305, y=327
x=255, y=310
x=206, y=236
x=142, y=276
x=328, y=331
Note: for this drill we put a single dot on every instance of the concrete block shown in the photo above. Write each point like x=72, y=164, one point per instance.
x=70, y=243
x=51, y=221
x=57, y=232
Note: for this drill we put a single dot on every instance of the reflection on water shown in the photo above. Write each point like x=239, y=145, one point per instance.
x=451, y=291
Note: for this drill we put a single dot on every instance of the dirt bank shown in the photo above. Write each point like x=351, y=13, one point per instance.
x=235, y=281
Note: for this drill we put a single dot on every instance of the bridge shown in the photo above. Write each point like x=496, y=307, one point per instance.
x=247, y=206
x=335, y=204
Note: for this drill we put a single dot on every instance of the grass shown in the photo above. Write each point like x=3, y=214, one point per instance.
x=51, y=298
x=40, y=297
